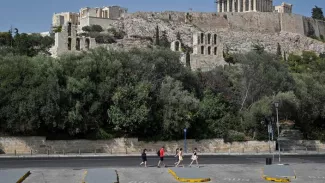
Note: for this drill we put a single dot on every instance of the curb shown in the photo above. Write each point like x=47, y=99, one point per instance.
x=276, y=179
x=24, y=177
x=187, y=179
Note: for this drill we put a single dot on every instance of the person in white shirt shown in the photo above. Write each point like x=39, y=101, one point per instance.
x=194, y=157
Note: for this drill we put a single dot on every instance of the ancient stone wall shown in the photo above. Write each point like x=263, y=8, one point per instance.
x=253, y=22
x=103, y=22
x=39, y=145
x=265, y=22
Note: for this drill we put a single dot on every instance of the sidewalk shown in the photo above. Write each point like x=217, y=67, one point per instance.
x=92, y=155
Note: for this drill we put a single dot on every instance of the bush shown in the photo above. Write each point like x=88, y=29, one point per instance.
x=100, y=134
x=117, y=34
x=142, y=37
x=96, y=28
x=93, y=28
x=86, y=28
x=104, y=39
x=234, y=136
x=58, y=29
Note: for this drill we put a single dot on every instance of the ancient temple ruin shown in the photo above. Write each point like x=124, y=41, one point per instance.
x=68, y=41
x=207, y=51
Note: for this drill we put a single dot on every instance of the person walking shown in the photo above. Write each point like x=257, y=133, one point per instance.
x=161, y=154
x=180, y=157
x=176, y=155
x=144, y=158
x=194, y=157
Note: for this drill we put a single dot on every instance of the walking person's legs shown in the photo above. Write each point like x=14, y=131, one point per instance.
x=191, y=162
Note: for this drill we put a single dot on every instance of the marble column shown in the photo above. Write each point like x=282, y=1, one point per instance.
x=233, y=8
x=219, y=6
x=261, y=5
x=244, y=5
x=254, y=5
x=250, y=5
x=239, y=3
x=228, y=5
x=222, y=5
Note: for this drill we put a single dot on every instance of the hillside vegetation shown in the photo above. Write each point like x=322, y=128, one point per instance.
x=149, y=94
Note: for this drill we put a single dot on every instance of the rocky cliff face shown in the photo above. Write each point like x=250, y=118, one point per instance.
x=235, y=30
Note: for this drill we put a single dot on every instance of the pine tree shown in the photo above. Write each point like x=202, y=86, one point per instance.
x=278, y=50
x=157, y=35
x=317, y=13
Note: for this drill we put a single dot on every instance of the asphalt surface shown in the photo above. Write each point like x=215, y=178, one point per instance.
x=120, y=162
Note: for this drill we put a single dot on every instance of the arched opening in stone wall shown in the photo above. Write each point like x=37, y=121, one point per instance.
x=209, y=50
x=215, y=51
x=69, y=43
x=78, y=44
x=87, y=44
x=209, y=38
x=69, y=29
x=215, y=39
x=202, y=50
x=202, y=38
x=176, y=46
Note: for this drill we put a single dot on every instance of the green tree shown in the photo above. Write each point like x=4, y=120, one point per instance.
x=213, y=114
x=258, y=48
x=164, y=40
x=5, y=39
x=317, y=13
x=179, y=107
x=86, y=28
x=278, y=50
x=157, y=36
x=261, y=74
x=130, y=110
x=96, y=28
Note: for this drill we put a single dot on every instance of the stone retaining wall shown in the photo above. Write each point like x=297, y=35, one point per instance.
x=39, y=145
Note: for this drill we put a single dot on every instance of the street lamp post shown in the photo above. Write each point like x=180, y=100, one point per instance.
x=276, y=104
x=185, y=130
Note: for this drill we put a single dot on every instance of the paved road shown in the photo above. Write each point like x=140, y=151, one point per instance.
x=119, y=162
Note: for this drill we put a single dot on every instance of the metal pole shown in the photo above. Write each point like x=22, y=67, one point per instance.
x=269, y=134
x=277, y=122
x=185, y=141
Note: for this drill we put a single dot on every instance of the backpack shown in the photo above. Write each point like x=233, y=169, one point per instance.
x=158, y=153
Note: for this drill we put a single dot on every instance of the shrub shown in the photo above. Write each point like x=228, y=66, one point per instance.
x=117, y=34
x=86, y=28
x=234, y=136
x=104, y=39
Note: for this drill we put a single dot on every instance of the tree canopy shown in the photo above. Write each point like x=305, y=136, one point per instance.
x=151, y=95
x=317, y=13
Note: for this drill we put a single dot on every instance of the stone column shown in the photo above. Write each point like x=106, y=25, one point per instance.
x=244, y=5
x=254, y=5
x=239, y=3
x=250, y=5
x=233, y=8
x=222, y=5
x=219, y=6
x=228, y=5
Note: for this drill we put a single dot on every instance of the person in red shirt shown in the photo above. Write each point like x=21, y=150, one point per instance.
x=161, y=154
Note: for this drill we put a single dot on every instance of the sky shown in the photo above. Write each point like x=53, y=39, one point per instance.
x=36, y=15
